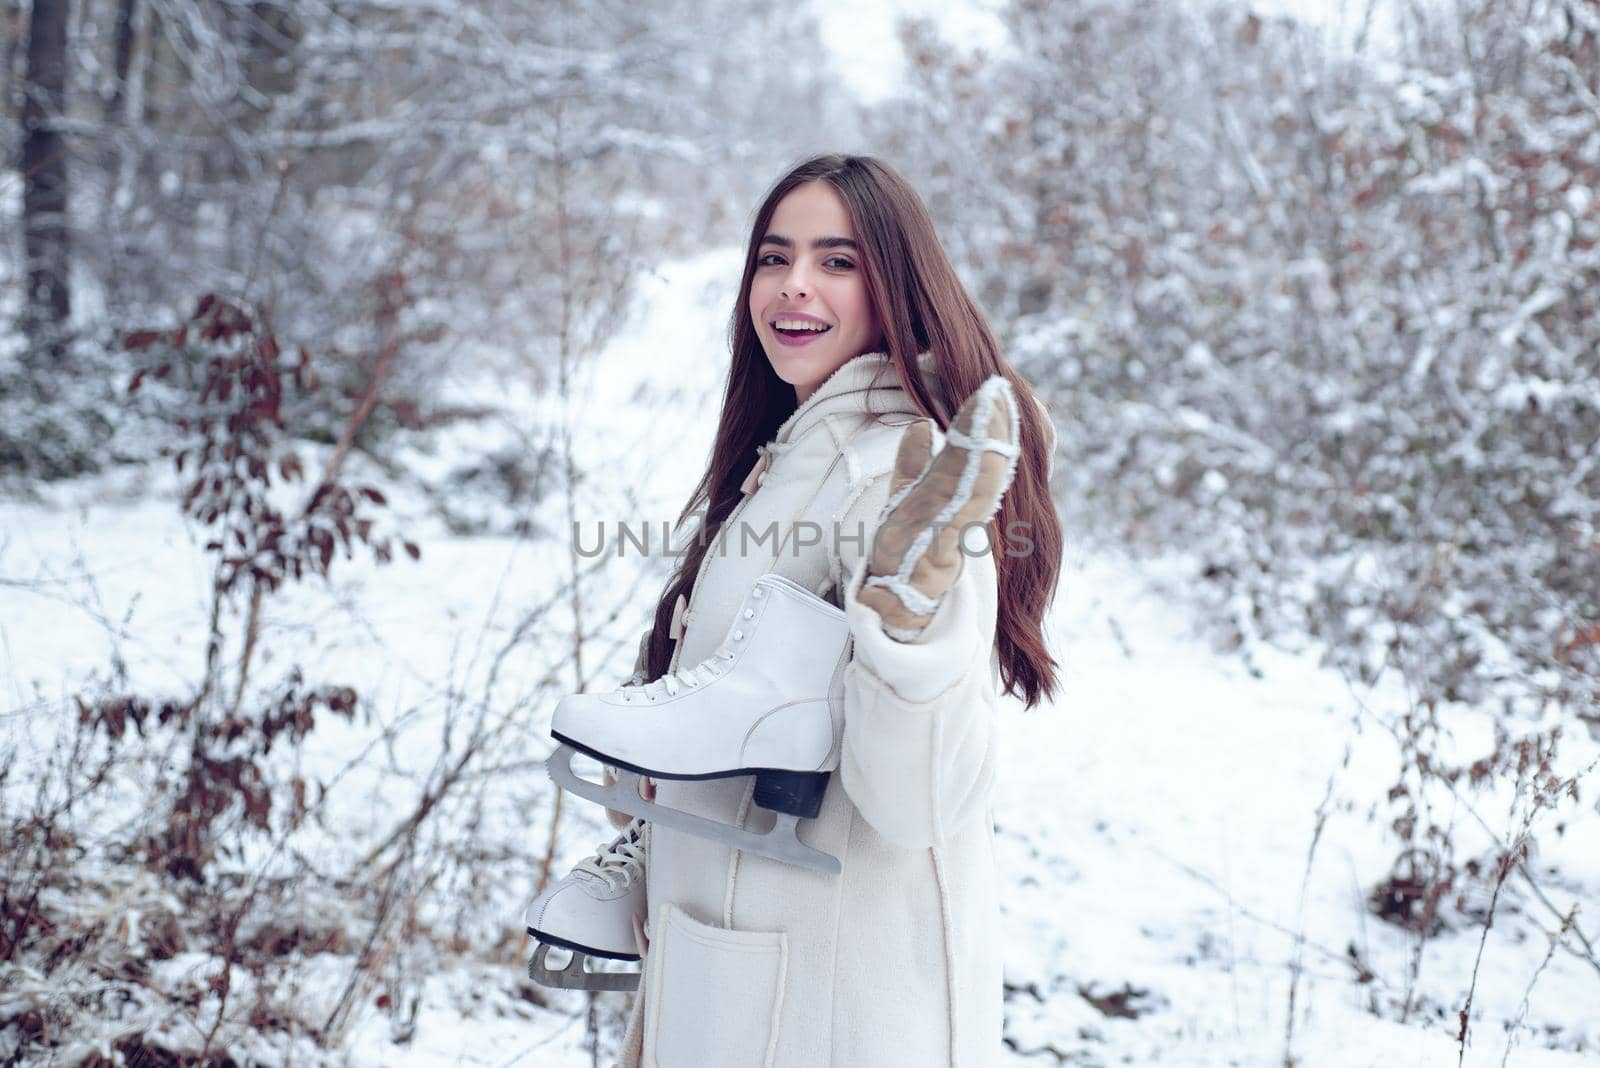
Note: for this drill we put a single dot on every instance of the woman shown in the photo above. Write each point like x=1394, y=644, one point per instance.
x=852, y=339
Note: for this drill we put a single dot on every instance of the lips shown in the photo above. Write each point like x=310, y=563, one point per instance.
x=798, y=317
x=797, y=338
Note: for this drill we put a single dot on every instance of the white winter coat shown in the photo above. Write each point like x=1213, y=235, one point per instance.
x=754, y=962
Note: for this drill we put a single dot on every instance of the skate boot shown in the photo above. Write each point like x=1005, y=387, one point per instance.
x=590, y=912
x=766, y=703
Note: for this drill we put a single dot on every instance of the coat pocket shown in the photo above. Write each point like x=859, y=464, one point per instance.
x=714, y=995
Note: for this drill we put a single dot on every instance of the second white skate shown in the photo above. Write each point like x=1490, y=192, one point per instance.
x=590, y=912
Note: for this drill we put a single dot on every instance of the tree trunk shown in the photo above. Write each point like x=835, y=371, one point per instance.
x=47, y=304
x=122, y=61
x=11, y=20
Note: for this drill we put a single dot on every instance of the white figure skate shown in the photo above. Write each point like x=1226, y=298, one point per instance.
x=764, y=704
x=590, y=912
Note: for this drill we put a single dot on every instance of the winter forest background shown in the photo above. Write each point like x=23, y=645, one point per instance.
x=315, y=323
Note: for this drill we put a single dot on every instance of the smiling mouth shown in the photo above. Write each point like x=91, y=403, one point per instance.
x=800, y=333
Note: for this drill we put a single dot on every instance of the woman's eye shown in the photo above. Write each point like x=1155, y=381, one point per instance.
x=837, y=262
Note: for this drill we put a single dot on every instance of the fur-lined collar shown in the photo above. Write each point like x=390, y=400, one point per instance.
x=866, y=384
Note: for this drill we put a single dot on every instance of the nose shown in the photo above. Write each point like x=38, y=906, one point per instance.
x=794, y=287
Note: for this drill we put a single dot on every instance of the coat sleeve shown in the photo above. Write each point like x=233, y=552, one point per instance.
x=919, y=746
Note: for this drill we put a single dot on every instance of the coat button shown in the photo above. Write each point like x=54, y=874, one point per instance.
x=757, y=475
x=675, y=631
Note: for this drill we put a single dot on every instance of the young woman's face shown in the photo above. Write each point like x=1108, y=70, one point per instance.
x=808, y=269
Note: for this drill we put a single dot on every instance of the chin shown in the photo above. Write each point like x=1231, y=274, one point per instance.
x=795, y=359
x=808, y=367
x=809, y=370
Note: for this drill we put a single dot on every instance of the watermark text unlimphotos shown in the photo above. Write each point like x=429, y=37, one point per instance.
x=618, y=537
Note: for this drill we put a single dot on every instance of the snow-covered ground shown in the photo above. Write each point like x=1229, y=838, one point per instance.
x=1155, y=824
x=1158, y=823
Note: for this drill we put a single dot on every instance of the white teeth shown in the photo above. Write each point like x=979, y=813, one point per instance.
x=799, y=324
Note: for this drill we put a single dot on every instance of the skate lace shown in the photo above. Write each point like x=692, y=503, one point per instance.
x=669, y=685
x=620, y=862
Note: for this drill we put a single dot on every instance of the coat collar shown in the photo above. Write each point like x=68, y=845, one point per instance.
x=865, y=384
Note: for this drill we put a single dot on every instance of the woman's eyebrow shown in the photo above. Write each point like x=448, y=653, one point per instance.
x=821, y=242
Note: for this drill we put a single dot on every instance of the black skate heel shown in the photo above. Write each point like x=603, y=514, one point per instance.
x=794, y=793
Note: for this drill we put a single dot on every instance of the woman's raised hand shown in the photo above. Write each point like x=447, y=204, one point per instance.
x=916, y=552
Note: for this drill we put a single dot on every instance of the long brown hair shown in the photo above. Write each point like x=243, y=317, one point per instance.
x=922, y=307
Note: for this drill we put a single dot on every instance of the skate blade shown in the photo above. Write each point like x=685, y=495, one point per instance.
x=574, y=976
x=782, y=843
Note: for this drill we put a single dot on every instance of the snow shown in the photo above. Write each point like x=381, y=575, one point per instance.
x=1152, y=826
x=1313, y=325
x=863, y=44
x=1163, y=812
x=1155, y=825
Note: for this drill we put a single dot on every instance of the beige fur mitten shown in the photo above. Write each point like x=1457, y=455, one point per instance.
x=916, y=552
